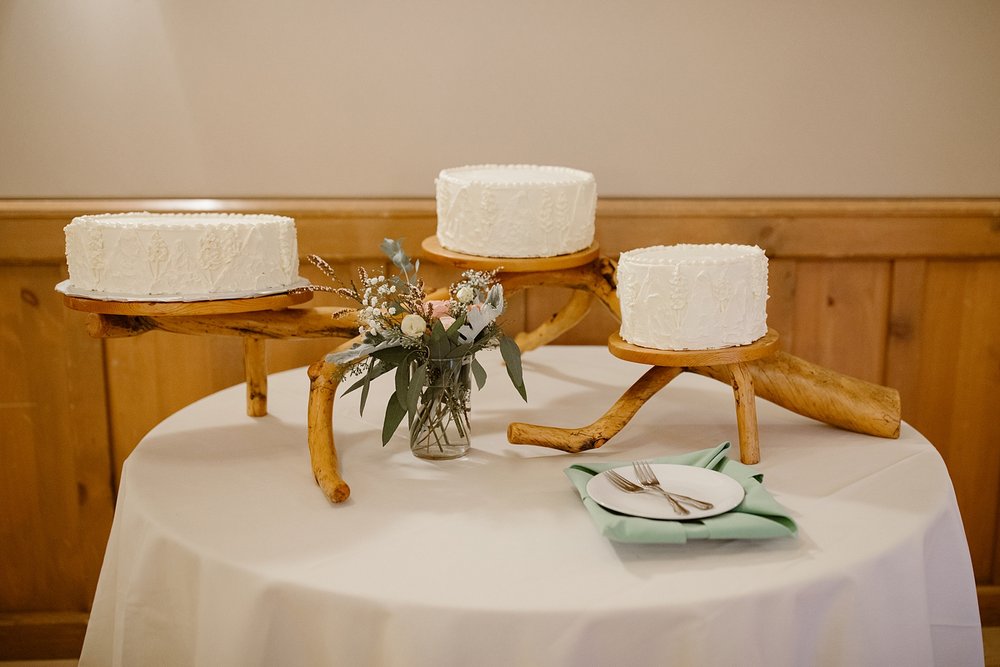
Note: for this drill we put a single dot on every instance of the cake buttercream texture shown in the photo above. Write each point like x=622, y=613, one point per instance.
x=693, y=297
x=169, y=254
x=515, y=210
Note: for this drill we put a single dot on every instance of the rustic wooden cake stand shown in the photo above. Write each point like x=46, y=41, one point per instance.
x=585, y=272
x=130, y=318
x=668, y=364
x=759, y=369
x=786, y=380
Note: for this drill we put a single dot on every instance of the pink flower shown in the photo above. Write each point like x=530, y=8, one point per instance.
x=439, y=308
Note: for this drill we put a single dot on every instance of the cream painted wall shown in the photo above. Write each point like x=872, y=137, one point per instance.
x=656, y=97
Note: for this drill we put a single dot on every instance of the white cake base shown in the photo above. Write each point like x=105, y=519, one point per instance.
x=693, y=297
x=515, y=210
x=186, y=255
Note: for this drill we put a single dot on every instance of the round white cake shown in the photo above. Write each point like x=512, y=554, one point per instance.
x=181, y=254
x=693, y=297
x=515, y=210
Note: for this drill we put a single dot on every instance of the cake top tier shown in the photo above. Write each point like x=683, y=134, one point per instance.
x=144, y=220
x=713, y=253
x=514, y=175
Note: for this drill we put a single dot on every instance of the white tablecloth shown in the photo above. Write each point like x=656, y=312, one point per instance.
x=224, y=551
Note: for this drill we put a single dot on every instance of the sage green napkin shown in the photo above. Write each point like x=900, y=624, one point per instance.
x=759, y=516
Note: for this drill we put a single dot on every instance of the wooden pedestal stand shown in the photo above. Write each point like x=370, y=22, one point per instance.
x=759, y=369
x=731, y=361
x=781, y=378
x=130, y=318
x=584, y=271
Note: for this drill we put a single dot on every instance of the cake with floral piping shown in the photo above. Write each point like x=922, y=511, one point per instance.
x=515, y=210
x=693, y=297
x=202, y=255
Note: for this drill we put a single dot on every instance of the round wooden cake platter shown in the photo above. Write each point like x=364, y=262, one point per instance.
x=762, y=347
x=433, y=247
x=208, y=307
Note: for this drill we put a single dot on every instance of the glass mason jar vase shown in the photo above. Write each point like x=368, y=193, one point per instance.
x=440, y=429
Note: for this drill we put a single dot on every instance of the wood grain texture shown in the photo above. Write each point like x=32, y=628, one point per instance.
x=433, y=248
x=765, y=345
x=154, y=375
x=842, y=316
x=54, y=491
x=955, y=400
x=50, y=635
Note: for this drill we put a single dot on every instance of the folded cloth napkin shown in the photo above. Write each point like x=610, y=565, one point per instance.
x=759, y=516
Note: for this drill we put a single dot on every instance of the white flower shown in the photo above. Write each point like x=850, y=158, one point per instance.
x=465, y=294
x=413, y=325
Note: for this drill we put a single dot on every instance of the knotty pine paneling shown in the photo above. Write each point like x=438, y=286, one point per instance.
x=841, y=315
x=956, y=397
x=55, y=470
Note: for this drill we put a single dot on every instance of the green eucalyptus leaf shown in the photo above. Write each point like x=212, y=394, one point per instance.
x=479, y=373
x=413, y=391
x=459, y=351
x=392, y=356
x=512, y=358
x=367, y=380
x=394, y=413
x=394, y=251
x=390, y=247
x=402, y=382
x=455, y=326
x=439, y=344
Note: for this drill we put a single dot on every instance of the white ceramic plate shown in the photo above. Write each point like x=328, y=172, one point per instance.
x=721, y=490
x=65, y=288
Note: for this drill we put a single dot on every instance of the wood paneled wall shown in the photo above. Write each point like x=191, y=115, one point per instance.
x=901, y=292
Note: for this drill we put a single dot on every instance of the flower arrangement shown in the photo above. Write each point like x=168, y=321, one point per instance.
x=429, y=344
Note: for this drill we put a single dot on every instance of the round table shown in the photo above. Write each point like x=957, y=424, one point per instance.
x=224, y=551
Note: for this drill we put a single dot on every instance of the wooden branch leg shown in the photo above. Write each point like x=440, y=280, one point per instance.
x=821, y=394
x=746, y=413
x=590, y=437
x=322, y=450
x=255, y=367
x=562, y=321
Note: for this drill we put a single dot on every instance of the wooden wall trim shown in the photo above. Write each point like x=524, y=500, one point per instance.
x=989, y=603
x=42, y=635
x=787, y=228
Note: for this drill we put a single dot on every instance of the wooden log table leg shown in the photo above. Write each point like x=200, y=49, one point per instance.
x=581, y=439
x=255, y=368
x=559, y=323
x=746, y=413
x=323, y=382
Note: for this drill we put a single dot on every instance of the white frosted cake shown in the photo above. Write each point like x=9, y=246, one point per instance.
x=515, y=210
x=693, y=297
x=181, y=254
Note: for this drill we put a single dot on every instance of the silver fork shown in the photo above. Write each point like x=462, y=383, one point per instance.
x=648, y=479
x=628, y=486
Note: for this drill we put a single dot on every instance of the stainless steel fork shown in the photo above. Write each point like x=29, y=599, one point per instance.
x=648, y=479
x=628, y=486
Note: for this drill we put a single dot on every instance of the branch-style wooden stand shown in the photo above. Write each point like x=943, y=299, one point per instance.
x=781, y=378
x=111, y=319
x=731, y=361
